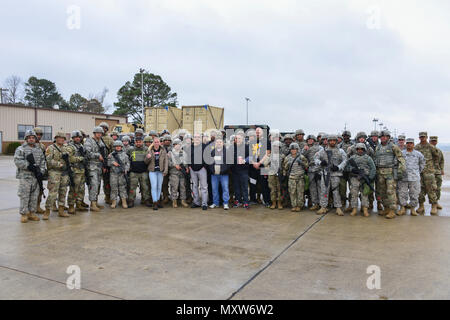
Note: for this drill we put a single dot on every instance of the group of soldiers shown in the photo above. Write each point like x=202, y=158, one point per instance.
x=327, y=171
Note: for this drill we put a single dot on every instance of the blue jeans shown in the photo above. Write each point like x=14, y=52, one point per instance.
x=223, y=180
x=156, y=181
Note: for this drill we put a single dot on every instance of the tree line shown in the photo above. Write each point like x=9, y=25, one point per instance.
x=43, y=93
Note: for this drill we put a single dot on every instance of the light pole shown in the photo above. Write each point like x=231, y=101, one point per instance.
x=381, y=126
x=375, y=120
x=142, y=92
x=247, y=99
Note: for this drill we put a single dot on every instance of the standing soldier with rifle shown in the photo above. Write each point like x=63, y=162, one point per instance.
x=333, y=161
x=57, y=156
x=108, y=141
x=39, y=133
x=94, y=148
x=120, y=166
x=78, y=162
x=309, y=151
x=362, y=174
x=294, y=168
x=30, y=163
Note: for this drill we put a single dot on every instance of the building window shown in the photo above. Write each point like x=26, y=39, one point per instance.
x=47, y=133
x=22, y=129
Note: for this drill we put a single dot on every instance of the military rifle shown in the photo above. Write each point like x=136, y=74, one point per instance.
x=360, y=173
x=36, y=171
x=122, y=168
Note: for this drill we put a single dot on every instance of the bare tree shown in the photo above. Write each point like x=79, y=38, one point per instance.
x=14, y=85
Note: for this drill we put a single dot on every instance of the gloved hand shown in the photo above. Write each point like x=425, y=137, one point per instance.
x=334, y=168
x=30, y=167
x=355, y=171
x=65, y=156
x=323, y=163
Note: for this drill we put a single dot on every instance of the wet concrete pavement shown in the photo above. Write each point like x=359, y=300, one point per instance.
x=189, y=254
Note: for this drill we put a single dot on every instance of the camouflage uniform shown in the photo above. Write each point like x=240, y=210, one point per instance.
x=138, y=175
x=338, y=159
x=28, y=191
x=409, y=185
x=345, y=145
x=439, y=165
x=274, y=164
x=428, y=180
x=366, y=164
x=117, y=176
x=296, y=177
x=313, y=172
x=387, y=157
x=76, y=193
x=108, y=142
x=92, y=147
x=177, y=181
x=58, y=176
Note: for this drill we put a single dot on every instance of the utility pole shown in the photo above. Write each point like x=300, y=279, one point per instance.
x=381, y=126
x=247, y=99
x=1, y=94
x=142, y=92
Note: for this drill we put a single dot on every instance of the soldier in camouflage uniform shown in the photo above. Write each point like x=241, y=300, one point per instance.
x=148, y=140
x=336, y=163
x=409, y=185
x=401, y=142
x=288, y=139
x=108, y=142
x=58, y=175
x=126, y=141
x=76, y=158
x=39, y=134
x=92, y=147
x=345, y=145
x=299, y=138
x=314, y=176
x=119, y=163
x=357, y=184
x=139, y=174
x=167, y=144
x=373, y=143
x=390, y=164
x=273, y=162
x=439, y=165
x=177, y=180
x=28, y=191
x=114, y=135
x=294, y=168
x=428, y=179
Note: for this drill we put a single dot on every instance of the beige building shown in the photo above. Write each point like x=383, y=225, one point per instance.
x=16, y=119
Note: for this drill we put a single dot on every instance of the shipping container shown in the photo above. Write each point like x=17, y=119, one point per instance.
x=202, y=118
x=162, y=118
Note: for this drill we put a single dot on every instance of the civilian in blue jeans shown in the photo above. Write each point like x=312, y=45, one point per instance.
x=219, y=174
x=158, y=166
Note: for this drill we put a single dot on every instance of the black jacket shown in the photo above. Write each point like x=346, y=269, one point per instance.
x=221, y=160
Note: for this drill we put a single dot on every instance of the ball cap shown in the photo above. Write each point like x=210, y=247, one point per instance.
x=423, y=134
x=433, y=138
x=410, y=140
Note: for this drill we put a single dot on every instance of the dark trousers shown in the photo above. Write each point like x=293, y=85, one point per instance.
x=262, y=182
x=240, y=186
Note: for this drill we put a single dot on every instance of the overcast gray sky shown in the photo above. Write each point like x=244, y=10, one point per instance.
x=313, y=64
